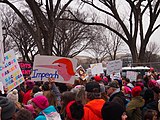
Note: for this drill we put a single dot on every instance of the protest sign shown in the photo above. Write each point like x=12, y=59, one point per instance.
x=96, y=68
x=81, y=72
x=61, y=68
x=25, y=68
x=115, y=76
x=11, y=74
x=114, y=67
x=131, y=75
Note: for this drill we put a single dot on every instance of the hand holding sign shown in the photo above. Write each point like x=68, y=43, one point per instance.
x=51, y=80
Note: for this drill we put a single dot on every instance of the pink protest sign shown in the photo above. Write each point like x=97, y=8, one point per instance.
x=11, y=74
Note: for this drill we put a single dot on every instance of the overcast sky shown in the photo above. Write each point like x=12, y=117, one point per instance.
x=122, y=9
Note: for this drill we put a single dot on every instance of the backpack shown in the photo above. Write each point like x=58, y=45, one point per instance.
x=52, y=116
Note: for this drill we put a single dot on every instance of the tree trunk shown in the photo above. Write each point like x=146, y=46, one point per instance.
x=142, y=53
x=134, y=53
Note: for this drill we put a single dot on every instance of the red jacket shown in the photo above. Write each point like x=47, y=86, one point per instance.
x=27, y=97
x=92, y=110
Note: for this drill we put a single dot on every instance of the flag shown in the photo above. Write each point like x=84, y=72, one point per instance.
x=1, y=47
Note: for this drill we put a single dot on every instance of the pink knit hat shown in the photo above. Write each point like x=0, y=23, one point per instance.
x=152, y=83
x=41, y=102
x=127, y=90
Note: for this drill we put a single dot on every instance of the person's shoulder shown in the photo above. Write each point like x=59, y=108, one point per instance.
x=40, y=117
x=49, y=109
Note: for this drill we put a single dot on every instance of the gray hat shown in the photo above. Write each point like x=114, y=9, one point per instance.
x=8, y=108
x=113, y=84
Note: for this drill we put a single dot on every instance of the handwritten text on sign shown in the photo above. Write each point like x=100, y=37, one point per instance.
x=96, y=68
x=114, y=67
x=25, y=68
x=11, y=74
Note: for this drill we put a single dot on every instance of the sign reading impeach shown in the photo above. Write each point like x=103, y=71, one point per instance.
x=62, y=69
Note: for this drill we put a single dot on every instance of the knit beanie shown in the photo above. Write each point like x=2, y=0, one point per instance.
x=13, y=96
x=41, y=102
x=8, y=108
x=112, y=111
x=136, y=91
x=97, y=78
x=30, y=83
x=127, y=90
x=152, y=83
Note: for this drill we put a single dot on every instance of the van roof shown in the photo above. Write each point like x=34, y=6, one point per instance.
x=136, y=68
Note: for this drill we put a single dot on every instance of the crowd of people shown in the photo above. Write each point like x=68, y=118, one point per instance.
x=98, y=98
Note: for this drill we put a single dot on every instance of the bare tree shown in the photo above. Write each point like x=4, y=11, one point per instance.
x=114, y=41
x=98, y=47
x=18, y=37
x=71, y=37
x=23, y=41
x=152, y=52
x=133, y=25
x=153, y=47
x=105, y=43
x=46, y=17
x=52, y=36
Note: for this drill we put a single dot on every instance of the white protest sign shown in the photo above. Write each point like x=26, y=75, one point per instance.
x=131, y=75
x=96, y=68
x=115, y=76
x=61, y=68
x=11, y=74
x=114, y=67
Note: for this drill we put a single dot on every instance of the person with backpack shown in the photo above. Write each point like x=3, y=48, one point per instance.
x=43, y=110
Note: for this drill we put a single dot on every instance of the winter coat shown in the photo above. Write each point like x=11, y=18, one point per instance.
x=92, y=110
x=47, y=111
x=119, y=98
x=134, y=108
x=27, y=97
x=151, y=105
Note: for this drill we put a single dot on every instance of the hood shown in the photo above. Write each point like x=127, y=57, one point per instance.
x=136, y=102
x=48, y=110
x=95, y=106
